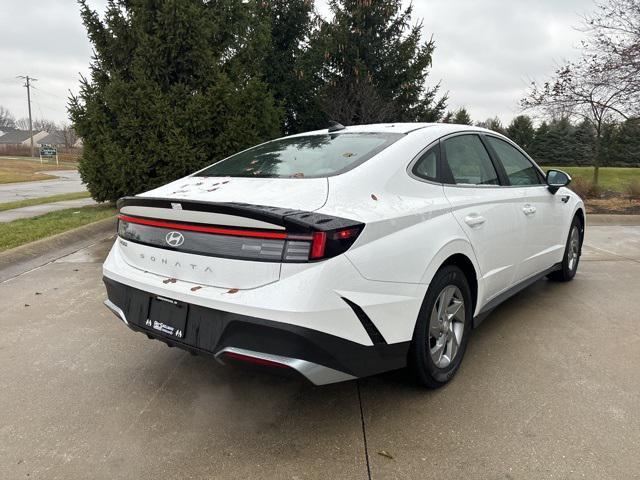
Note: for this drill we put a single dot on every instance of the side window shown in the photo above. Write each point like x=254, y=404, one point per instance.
x=427, y=166
x=469, y=161
x=518, y=167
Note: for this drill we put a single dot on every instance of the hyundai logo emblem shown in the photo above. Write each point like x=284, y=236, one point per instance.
x=174, y=239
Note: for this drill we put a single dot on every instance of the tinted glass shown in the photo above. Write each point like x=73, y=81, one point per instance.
x=303, y=157
x=469, y=161
x=427, y=166
x=518, y=167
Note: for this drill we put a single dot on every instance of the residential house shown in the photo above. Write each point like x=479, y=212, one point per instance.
x=20, y=138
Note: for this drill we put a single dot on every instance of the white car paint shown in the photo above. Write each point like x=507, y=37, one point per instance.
x=411, y=228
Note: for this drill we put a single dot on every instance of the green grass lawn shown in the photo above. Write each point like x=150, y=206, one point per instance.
x=39, y=201
x=19, y=232
x=611, y=178
x=22, y=170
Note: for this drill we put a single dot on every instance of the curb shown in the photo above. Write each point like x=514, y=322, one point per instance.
x=21, y=259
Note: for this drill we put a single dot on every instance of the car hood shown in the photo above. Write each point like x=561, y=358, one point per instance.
x=294, y=193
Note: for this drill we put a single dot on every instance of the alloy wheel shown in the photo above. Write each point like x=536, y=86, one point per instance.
x=574, y=248
x=446, y=326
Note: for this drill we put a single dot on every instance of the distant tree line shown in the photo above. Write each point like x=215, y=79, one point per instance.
x=563, y=142
x=175, y=85
x=602, y=87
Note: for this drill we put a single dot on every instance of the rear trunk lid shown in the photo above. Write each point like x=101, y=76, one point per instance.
x=220, y=232
x=294, y=193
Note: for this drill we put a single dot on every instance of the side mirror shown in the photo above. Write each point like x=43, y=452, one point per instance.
x=557, y=179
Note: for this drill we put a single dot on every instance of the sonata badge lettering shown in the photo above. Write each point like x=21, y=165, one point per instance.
x=177, y=264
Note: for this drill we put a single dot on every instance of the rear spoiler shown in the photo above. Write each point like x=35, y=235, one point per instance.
x=294, y=221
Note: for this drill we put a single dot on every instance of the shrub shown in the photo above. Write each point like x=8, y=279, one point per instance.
x=585, y=188
x=174, y=86
x=633, y=189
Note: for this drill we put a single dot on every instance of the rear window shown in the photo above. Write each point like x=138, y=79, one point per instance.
x=303, y=157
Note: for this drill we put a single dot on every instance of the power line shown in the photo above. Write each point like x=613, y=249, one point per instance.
x=48, y=93
x=27, y=84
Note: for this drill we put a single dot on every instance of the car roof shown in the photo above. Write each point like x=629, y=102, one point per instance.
x=432, y=129
x=402, y=128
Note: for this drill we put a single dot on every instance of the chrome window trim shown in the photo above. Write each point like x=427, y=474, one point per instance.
x=526, y=156
x=417, y=157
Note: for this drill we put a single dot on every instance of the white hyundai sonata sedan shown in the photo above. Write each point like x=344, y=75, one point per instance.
x=346, y=252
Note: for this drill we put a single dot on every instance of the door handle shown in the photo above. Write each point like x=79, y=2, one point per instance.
x=474, y=220
x=529, y=209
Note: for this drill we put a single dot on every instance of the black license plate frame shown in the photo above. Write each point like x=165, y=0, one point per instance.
x=167, y=317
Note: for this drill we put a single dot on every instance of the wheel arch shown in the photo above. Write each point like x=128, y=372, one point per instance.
x=580, y=214
x=460, y=254
x=466, y=265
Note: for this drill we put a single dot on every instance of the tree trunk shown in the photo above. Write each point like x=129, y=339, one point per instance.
x=596, y=159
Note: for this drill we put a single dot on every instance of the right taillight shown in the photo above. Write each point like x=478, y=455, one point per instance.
x=320, y=245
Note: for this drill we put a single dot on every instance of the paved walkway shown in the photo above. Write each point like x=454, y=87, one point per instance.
x=549, y=388
x=35, y=210
x=68, y=182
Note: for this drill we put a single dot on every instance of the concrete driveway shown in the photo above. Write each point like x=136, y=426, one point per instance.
x=68, y=181
x=550, y=388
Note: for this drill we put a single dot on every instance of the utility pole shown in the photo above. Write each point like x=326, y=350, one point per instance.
x=27, y=84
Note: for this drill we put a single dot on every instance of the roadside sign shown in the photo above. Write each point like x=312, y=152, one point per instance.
x=48, y=151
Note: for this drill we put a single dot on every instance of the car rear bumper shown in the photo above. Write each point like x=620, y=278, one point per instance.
x=320, y=357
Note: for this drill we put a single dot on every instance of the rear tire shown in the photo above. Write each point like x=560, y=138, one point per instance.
x=442, y=328
x=572, y=252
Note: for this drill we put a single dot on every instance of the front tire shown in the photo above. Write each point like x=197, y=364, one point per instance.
x=572, y=253
x=442, y=328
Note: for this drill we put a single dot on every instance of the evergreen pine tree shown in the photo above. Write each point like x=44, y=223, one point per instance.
x=290, y=70
x=174, y=85
x=624, y=148
x=521, y=131
x=540, y=149
x=584, y=144
x=462, y=117
x=448, y=117
x=493, y=124
x=375, y=64
x=561, y=143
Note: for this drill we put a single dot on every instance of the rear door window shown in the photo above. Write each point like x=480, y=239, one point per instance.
x=308, y=156
x=469, y=161
x=519, y=169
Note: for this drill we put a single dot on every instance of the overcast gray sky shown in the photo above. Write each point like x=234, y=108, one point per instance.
x=487, y=51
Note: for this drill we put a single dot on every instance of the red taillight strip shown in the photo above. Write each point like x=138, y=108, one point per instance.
x=318, y=245
x=203, y=229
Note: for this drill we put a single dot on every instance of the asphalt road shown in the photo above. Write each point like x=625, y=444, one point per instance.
x=68, y=181
x=550, y=388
